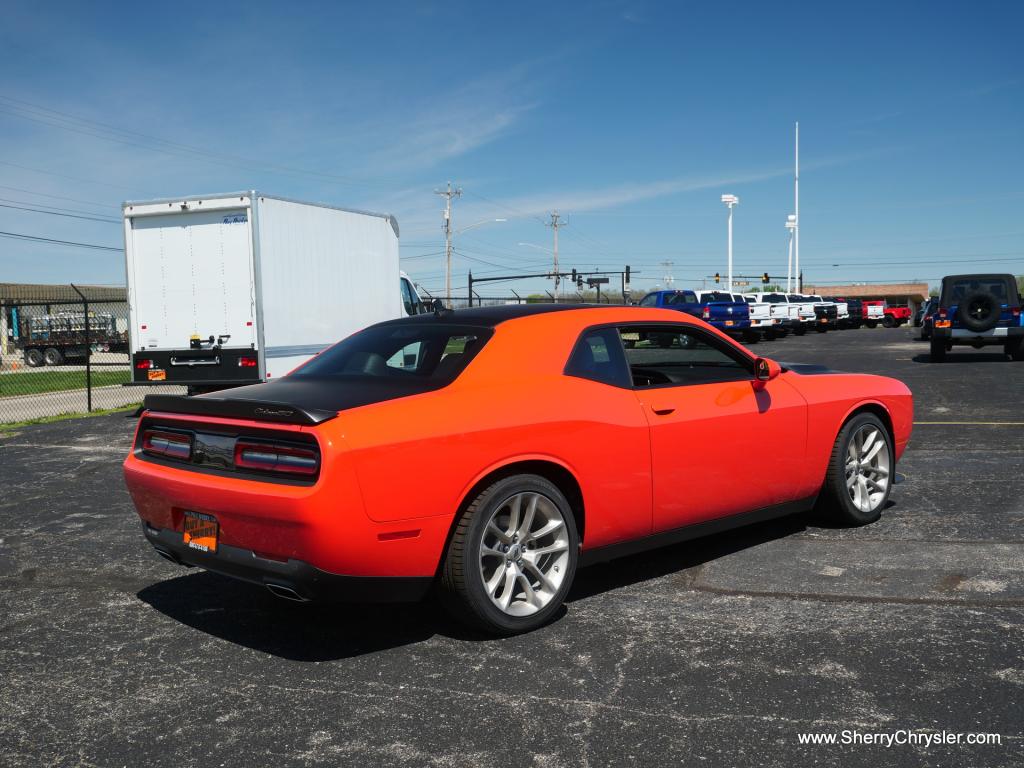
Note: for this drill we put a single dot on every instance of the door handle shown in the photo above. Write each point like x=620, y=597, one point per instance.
x=663, y=410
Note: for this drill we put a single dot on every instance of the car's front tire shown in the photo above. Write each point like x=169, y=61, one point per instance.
x=860, y=472
x=512, y=557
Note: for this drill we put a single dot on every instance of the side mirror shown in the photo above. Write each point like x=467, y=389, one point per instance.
x=765, y=370
x=437, y=306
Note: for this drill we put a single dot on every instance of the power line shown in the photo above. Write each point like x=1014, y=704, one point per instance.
x=58, y=197
x=36, y=238
x=57, y=213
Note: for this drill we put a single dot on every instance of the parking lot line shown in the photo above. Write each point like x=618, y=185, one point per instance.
x=970, y=423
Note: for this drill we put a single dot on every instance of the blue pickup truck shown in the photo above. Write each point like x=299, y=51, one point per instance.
x=713, y=307
x=977, y=311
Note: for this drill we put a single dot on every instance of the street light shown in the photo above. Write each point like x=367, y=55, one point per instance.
x=730, y=201
x=791, y=226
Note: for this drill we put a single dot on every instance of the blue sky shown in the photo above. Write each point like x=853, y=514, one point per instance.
x=631, y=118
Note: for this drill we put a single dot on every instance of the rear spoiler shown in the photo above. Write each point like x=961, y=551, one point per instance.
x=256, y=410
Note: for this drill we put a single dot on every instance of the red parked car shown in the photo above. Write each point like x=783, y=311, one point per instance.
x=488, y=452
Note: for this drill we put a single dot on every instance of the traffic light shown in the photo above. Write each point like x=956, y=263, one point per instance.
x=627, y=273
x=718, y=278
x=574, y=276
x=765, y=278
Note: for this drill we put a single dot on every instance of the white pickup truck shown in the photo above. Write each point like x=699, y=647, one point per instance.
x=762, y=319
x=787, y=312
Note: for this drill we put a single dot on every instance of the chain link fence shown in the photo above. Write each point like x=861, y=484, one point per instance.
x=64, y=350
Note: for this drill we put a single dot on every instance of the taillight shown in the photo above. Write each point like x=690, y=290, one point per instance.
x=171, y=445
x=942, y=314
x=1015, y=311
x=143, y=365
x=706, y=314
x=271, y=457
x=247, y=362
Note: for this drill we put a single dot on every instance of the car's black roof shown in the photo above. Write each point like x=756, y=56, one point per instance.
x=493, y=315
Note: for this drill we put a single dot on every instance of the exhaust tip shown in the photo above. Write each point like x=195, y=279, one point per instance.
x=167, y=555
x=287, y=593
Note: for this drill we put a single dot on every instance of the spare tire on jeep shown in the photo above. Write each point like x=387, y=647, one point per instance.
x=979, y=311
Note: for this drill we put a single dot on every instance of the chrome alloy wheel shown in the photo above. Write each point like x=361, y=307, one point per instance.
x=867, y=468
x=524, y=554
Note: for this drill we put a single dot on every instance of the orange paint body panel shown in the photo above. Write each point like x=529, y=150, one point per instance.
x=393, y=475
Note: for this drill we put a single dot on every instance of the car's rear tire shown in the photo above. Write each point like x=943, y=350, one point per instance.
x=512, y=557
x=751, y=336
x=1015, y=349
x=938, y=350
x=871, y=323
x=800, y=330
x=860, y=472
x=34, y=357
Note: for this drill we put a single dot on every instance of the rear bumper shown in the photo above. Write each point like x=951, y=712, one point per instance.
x=737, y=325
x=297, y=577
x=991, y=336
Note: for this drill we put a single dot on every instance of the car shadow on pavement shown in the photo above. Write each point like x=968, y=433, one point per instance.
x=246, y=615
x=249, y=616
x=657, y=563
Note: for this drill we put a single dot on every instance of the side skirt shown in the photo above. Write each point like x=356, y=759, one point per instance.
x=695, y=531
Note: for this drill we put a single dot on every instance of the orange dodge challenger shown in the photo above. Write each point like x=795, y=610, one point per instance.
x=489, y=452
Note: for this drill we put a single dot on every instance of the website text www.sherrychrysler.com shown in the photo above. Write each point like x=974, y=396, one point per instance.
x=898, y=738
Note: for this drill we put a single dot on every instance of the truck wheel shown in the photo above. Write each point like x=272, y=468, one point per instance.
x=771, y=334
x=871, y=323
x=800, y=330
x=53, y=356
x=34, y=357
x=887, y=322
x=1015, y=349
x=860, y=471
x=751, y=337
x=821, y=327
x=938, y=350
x=512, y=557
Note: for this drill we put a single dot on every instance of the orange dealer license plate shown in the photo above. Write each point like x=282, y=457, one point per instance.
x=200, y=532
x=156, y=374
x=728, y=322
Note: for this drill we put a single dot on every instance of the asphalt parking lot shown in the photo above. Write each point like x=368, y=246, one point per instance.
x=716, y=652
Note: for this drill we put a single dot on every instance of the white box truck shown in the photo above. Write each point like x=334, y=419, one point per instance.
x=238, y=288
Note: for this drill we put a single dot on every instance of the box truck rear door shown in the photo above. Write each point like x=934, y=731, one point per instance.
x=193, y=277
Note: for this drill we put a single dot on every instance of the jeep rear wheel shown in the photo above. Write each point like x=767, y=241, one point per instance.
x=1015, y=349
x=938, y=350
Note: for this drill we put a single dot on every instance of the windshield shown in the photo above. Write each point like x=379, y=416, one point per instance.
x=682, y=297
x=795, y=297
x=774, y=298
x=434, y=353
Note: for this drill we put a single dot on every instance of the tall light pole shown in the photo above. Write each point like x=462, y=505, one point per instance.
x=730, y=201
x=448, y=194
x=791, y=226
x=796, y=206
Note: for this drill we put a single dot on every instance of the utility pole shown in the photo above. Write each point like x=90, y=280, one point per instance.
x=796, y=208
x=448, y=194
x=668, y=280
x=555, y=223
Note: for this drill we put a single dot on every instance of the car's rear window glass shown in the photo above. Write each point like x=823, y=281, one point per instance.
x=437, y=352
x=716, y=296
x=685, y=297
x=958, y=290
x=774, y=298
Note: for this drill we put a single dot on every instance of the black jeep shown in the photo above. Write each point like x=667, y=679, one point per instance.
x=978, y=310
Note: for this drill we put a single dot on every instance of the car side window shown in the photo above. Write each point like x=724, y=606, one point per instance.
x=671, y=355
x=649, y=301
x=598, y=356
